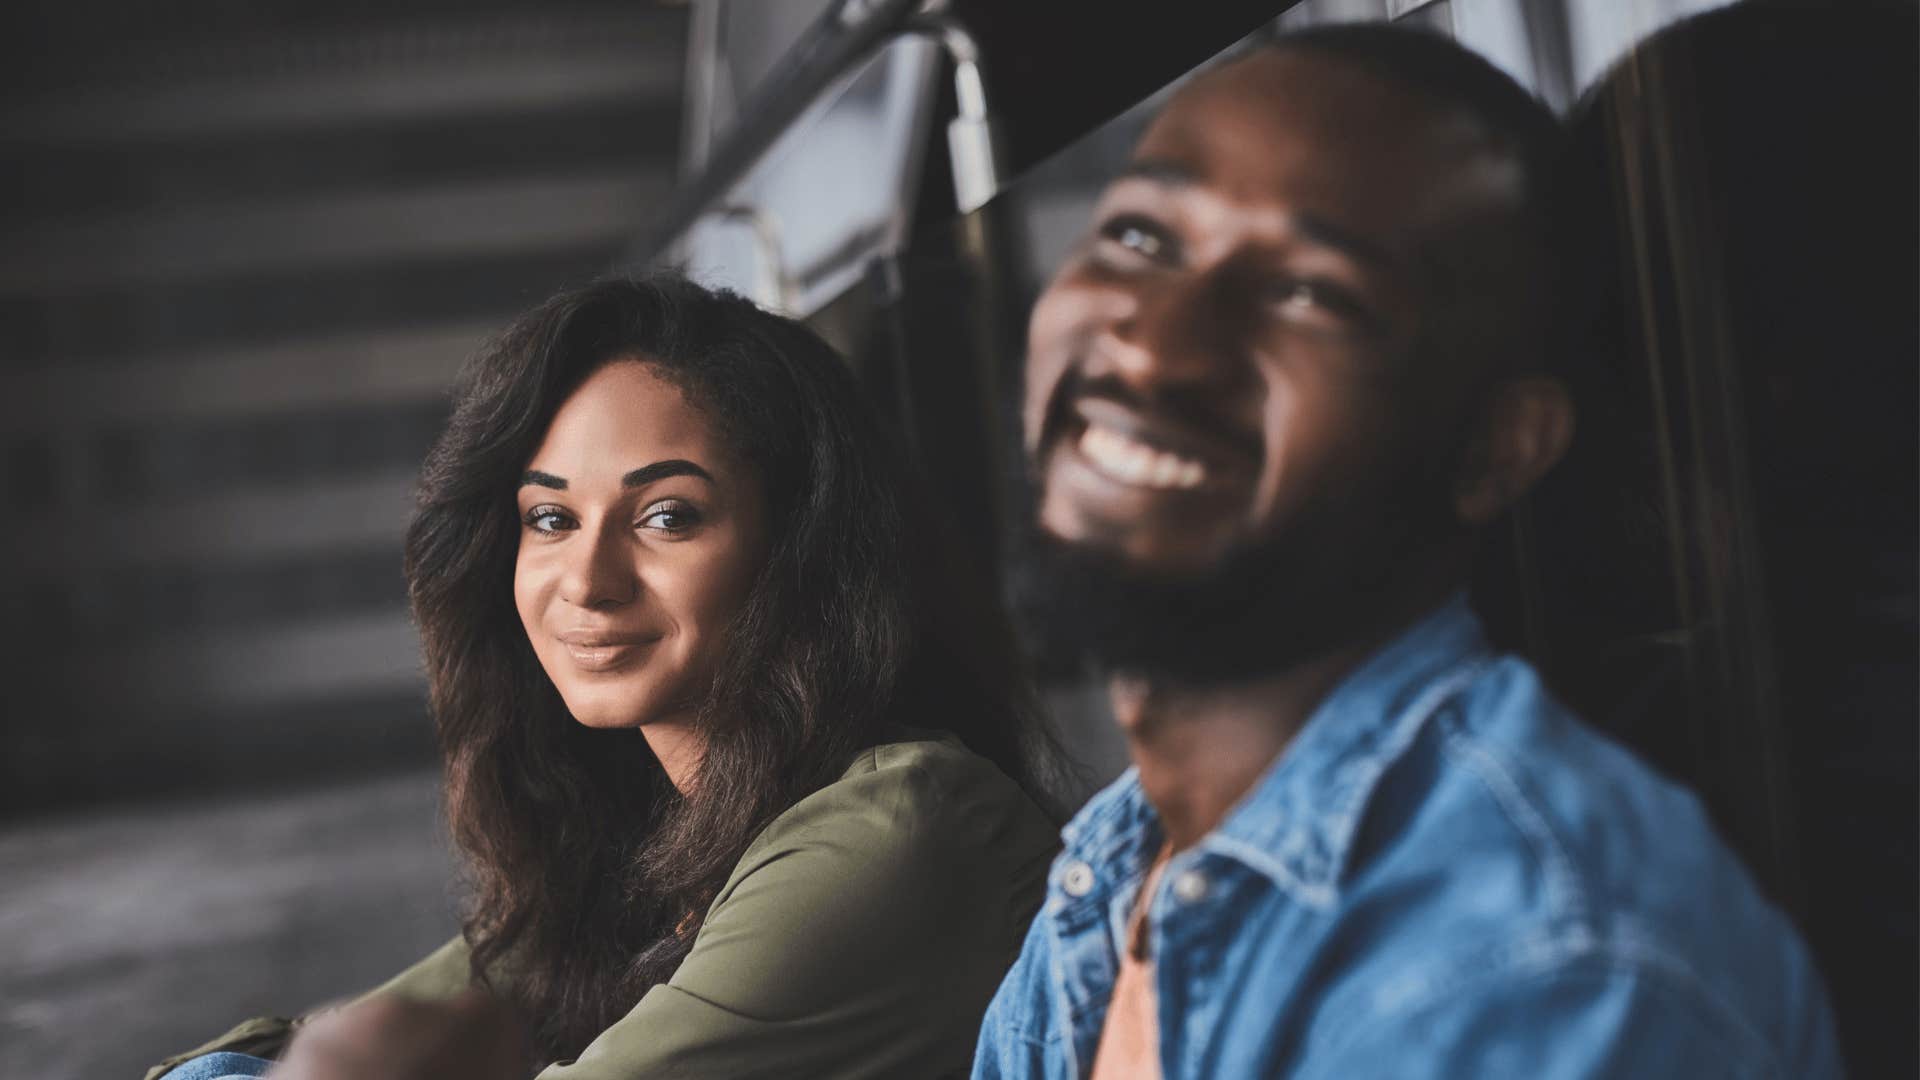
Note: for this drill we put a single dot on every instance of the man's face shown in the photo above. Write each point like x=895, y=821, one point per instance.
x=1228, y=362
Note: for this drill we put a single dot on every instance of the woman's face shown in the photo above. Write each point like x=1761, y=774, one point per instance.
x=640, y=537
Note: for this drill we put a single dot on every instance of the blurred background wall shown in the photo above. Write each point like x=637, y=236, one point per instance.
x=243, y=248
x=246, y=246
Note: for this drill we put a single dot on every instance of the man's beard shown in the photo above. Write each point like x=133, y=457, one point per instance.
x=1315, y=587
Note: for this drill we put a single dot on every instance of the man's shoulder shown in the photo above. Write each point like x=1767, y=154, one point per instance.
x=1552, y=851
x=1572, y=827
x=1508, y=772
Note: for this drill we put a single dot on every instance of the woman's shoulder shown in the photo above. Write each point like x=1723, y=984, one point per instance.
x=920, y=845
x=921, y=795
x=918, y=756
x=888, y=903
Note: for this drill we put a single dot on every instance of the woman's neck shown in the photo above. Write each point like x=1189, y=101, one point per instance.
x=679, y=746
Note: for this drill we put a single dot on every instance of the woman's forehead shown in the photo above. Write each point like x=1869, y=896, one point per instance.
x=623, y=416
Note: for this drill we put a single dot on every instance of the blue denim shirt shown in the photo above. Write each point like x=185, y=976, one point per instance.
x=1444, y=875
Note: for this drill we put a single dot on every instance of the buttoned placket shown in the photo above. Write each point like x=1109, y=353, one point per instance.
x=1079, y=911
x=1286, y=843
x=1177, y=917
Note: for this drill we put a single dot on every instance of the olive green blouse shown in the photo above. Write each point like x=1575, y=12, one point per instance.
x=861, y=935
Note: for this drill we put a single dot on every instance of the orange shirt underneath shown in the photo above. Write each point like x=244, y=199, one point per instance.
x=1130, y=1039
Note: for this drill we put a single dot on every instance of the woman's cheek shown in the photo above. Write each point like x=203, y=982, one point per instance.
x=531, y=592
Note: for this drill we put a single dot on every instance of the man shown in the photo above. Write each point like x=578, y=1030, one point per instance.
x=1302, y=359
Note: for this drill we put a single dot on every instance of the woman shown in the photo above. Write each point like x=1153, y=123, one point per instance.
x=736, y=793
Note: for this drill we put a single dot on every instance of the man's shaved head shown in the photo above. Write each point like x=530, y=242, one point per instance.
x=1517, y=132
x=1274, y=378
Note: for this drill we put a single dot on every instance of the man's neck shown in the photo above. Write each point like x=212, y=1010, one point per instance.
x=1199, y=749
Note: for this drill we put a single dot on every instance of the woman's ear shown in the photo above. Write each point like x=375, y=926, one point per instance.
x=1524, y=429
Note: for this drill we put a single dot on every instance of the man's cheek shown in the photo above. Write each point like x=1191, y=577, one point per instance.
x=1033, y=411
x=1046, y=363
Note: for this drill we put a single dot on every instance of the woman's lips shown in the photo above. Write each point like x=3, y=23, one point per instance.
x=603, y=652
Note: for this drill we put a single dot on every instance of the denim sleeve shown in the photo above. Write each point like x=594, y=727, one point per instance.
x=1014, y=1033
x=1588, y=1021
x=220, y=1066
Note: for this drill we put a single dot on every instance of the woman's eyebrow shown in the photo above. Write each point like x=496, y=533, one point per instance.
x=536, y=478
x=660, y=470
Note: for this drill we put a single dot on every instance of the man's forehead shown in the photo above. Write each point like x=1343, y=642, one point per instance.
x=1276, y=97
x=1291, y=124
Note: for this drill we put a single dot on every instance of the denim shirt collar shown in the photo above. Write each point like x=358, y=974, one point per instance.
x=1297, y=823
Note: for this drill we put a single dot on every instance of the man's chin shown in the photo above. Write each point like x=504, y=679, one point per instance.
x=1087, y=607
x=1141, y=555
x=1204, y=611
x=1173, y=547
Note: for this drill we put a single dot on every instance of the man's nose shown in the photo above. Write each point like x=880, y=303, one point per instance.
x=1172, y=334
x=599, y=573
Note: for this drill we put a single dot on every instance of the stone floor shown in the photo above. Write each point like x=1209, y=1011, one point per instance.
x=132, y=934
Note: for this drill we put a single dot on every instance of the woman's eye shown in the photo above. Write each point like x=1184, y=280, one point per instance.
x=547, y=519
x=670, y=517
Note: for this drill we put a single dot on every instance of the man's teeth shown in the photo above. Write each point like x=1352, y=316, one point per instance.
x=1131, y=461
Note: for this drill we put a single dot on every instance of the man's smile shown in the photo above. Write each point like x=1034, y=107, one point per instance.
x=1127, y=460
x=1115, y=458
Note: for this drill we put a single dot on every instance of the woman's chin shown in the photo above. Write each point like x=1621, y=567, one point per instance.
x=609, y=705
x=609, y=719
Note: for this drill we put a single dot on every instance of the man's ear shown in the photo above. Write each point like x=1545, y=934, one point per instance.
x=1524, y=429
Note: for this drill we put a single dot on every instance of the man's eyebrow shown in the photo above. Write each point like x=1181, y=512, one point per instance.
x=1344, y=240
x=1169, y=172
x=536, y=478
x=660, y=470
x=1164, y=171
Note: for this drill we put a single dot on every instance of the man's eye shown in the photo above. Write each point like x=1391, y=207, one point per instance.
x=1138, y=236
x=1317, y=298
x=1299, y=294
x=547, y=519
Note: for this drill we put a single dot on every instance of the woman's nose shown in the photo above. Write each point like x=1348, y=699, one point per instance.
x=599, y=572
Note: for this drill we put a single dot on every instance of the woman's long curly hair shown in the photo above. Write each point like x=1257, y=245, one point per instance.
x=589, y=871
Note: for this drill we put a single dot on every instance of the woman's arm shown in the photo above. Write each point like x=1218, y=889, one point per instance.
x=861, y=935
x=442, y=975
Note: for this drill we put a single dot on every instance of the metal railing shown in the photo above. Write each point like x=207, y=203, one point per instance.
x=826, y=51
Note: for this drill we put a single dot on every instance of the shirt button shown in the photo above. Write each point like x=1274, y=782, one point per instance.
x=1078, y=879
x=1190, y=887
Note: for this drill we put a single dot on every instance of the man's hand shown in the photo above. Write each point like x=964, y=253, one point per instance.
x=471, y=1037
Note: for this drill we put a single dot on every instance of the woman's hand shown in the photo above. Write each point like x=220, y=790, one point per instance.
x=473, y=1035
